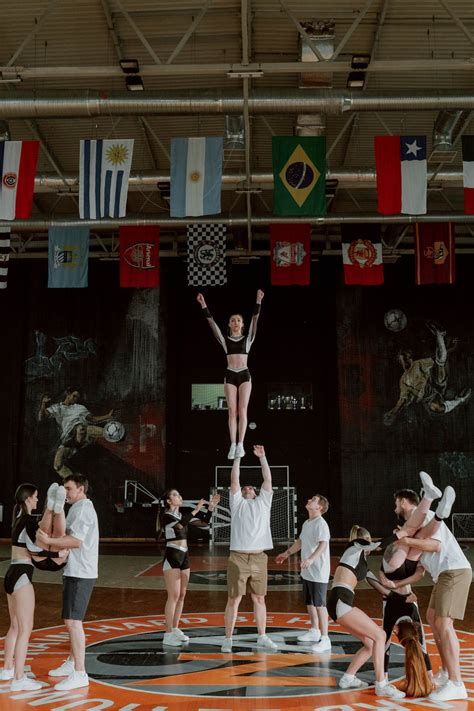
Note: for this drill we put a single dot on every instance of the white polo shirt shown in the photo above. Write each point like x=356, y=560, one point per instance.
x=81, y=522
x=250, y=522
x=450, y=557
x=314, y=531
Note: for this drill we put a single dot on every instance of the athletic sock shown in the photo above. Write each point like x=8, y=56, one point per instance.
x=348, y=677
x=381, y=684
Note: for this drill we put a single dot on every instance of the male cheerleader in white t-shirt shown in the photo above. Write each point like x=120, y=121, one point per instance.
x=250, y=537
x=315, y=570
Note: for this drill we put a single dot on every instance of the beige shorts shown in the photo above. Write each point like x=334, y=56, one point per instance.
x=247, y=572
x=450, y=593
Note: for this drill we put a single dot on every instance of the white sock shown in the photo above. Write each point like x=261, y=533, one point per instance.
x=349, y=677
x=381, y=684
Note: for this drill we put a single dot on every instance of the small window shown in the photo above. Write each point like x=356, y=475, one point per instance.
x=208, y=396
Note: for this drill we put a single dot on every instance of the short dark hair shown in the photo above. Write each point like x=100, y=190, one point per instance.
x=408, y=494
x=78, y=479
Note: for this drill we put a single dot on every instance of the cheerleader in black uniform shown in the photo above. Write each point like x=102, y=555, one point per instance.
x=176, y=560
x=237, y=381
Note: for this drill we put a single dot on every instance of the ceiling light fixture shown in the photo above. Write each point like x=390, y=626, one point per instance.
x=129, y=66
x=134, y=82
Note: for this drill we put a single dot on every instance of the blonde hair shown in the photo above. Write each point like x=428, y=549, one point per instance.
x=359, y=532
x=417, y=682
x=323, y=502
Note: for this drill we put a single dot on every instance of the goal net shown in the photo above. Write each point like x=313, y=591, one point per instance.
x=463, y=525
x=282, y=515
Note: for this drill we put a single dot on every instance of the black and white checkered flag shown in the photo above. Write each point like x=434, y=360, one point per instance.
x=4, y=255
x=206, y=255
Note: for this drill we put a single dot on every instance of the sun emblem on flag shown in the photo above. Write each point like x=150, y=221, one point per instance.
x=117, y=154
x=195, y=176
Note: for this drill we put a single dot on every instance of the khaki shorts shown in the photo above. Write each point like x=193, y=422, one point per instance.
x=450, y=593
x=247, y=572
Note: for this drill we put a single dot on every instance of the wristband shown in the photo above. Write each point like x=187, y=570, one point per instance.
x=256, y=309
x=206, y=312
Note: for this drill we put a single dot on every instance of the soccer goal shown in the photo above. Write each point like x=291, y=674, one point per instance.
x=463, y=526
x=283, y=512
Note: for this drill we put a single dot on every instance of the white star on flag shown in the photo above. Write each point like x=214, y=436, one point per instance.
x=412, y=148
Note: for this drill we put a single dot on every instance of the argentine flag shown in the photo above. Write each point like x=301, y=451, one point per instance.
x=196, y=176
x=103, y=178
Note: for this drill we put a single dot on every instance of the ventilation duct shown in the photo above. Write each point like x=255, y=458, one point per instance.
x=448, y=125
x=322, y=38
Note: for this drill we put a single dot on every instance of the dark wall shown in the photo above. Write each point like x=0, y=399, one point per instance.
x=152, y=345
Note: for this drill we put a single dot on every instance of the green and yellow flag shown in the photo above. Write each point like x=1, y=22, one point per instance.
x=299, y=174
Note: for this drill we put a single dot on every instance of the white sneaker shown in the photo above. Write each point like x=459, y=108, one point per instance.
x=60, y=498
x=445, y=505
x=66, y=668
x=449, y=692
x=311, y=635
x=324, y=645
x=232, y=449
x=180, y=634
x=441, y=677
x=25, y=684
x=390, y=691
x=7, y=674
x=429, y=489
x=265, y=642
x=227, y=645
x=51, y=496
x=76, y=680
x=172, y=640
x=239, y=450
x=351, y=683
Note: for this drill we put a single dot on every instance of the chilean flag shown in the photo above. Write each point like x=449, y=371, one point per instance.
x=17, y=168
x=468, y=173
x=400, y=163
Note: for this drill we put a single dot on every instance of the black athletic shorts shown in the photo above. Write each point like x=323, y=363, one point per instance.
x=341, y=601
x=314, y=593
x=175, y=558
x=233, y=378
x=48, y=564
x=76, y=595
x=13, y=575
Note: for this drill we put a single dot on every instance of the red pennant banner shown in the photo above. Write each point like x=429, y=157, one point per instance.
x=435, y=253
x=139, y=257
x=290, y=254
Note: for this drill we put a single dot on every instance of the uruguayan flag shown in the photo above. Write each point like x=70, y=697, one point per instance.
x=103, y=178
x=196, y=176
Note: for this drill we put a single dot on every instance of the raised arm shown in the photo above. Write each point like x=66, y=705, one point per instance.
x=259, y=452
x=235, y=477
x=213, y=325
x=255, y=315
x=43, y=412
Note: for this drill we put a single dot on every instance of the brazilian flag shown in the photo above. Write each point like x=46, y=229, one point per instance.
x=299, y=174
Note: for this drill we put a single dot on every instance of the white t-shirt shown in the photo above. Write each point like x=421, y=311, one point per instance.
x=250, y=522
x=81, y=522
x=314, y=531
x=68, y=416
x=450, y=557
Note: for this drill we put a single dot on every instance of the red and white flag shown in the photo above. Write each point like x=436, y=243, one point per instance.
x=468, y=173
x=17, y=167
x=400, y=163
x=139, y=257
x=290, y=254
x=362, y=254
x=435, y=253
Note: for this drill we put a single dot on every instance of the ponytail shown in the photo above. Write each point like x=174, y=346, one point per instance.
x=417, y=682
x=162, y=509
x=359, y=532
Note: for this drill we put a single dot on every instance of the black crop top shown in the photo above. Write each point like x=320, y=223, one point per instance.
x=175, y=525
x=24, y=535
x=234, y=345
